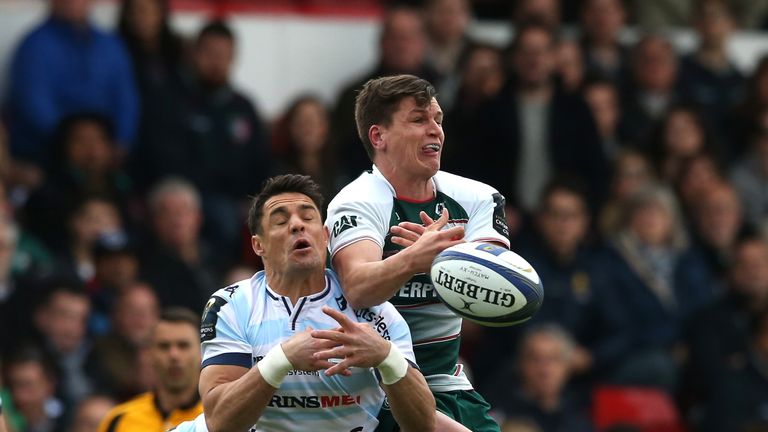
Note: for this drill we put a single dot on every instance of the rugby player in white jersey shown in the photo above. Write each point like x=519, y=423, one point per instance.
x=285, y=351
x=388, y=225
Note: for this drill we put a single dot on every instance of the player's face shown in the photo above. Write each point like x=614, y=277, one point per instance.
x=293, y=236
x=414, y=139
x=176, y=355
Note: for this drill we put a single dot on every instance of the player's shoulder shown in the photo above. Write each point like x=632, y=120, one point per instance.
x=367, y=188
x=458, y=187
x=240, y=291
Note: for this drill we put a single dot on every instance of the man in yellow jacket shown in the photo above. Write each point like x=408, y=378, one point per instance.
x=176, y=360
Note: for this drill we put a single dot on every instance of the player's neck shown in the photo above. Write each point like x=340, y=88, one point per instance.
x=296, y=285
x=410, y=188
x=170, y=401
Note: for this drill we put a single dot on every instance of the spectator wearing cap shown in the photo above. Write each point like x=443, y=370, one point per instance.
x=116, y=265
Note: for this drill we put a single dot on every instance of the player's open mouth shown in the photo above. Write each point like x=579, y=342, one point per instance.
x=431, y=148
x=301, y=244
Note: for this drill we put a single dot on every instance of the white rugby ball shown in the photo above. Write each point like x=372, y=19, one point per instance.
x=488, y=284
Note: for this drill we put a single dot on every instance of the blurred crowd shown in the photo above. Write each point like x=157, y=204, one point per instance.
x=636, y=179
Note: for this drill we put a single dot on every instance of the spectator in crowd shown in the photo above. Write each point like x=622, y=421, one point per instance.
x=681, y=134
x=738, y=402
x=85, y=164
x=116, y=268
x=750, y=178
x=631, y=172
x=91, y=217
x=656, y=282
x=446, y=23
x=707, y=76
x=652, y=88
x=61, y=320
x=543, y=365
x=90, y=412
x=157, y=53
x=221, y=146
x=602, y=96
x=532, y=129
x=560, y=253
x=546, y=12
x=481, y=77
x=402, y=50
x=718, y=221
x=718, y=335
x=175, y=353
x=117, y=362
x=31, y=380
x=697, y=174
x=178, y=263
x=64, y=66
x=569, y=65
x=604, y=55
x=662, y=14
x=302, y=143
x=751, y=116
x=31, y=256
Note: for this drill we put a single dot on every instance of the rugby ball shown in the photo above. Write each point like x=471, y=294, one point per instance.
x=488, y=284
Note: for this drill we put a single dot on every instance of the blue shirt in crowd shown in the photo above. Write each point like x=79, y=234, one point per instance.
x=61, y=69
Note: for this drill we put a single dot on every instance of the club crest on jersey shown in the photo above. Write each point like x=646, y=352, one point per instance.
x=344, y=223
x=341, y=302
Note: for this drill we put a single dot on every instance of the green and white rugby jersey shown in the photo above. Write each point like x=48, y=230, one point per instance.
x=367, y=208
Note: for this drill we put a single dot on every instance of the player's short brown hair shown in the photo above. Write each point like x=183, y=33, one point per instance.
x=380, y=98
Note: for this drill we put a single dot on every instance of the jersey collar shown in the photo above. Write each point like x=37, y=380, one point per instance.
x=376, y=173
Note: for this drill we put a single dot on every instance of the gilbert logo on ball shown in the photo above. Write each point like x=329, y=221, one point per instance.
x=487, y=284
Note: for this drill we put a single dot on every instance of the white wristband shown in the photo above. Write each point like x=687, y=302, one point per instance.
x=274, y=366
x=394, y=367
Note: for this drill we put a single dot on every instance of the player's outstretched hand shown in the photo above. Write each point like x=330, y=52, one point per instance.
x=424, y=242
x=300, y=350
x=355, y=344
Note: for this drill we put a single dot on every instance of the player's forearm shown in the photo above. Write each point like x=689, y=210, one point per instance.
x=372, y=283
x=412, y=404
x=237, y=405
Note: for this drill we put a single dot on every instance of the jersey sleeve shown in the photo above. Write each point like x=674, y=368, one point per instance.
x=353, y=220
x=221, y=333
x=487, y=221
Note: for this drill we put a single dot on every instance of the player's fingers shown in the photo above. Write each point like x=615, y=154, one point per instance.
x=404, y=233
x=440, y=222
x=336, y=352
x=340, y=318
x=401, y=241
x=410, y=226
x=455, y=233
x=324, y=344
x=426, y=219
x=330, y=335
x=338, y=368
x=322, y=364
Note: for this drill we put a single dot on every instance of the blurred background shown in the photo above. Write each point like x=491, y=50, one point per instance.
x=630, y=139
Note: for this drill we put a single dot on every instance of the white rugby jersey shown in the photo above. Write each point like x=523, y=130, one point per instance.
x=242, y=322
x=368, y=207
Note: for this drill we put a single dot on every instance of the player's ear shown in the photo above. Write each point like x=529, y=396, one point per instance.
x=375, y=136
x=257, y=245
x=327, y=235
